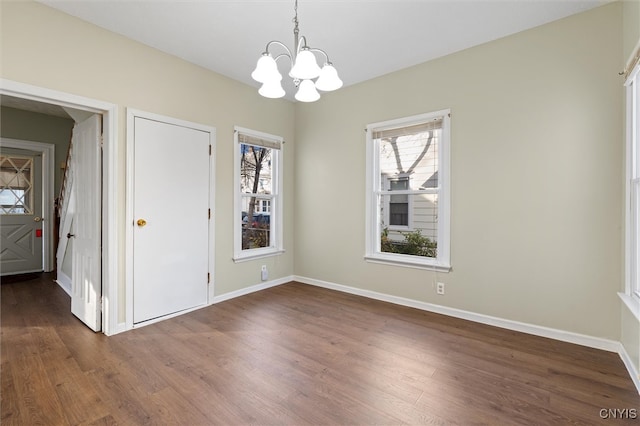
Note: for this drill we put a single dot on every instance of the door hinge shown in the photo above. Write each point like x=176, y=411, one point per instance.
x=209, y=213
x=208, y=277
x=209, y=150
x=101, y=303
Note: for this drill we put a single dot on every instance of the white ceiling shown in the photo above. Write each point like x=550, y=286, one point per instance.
x=364, y=38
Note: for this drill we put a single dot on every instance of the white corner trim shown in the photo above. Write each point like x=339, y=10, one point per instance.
x=565, y=336
x=252, y=289
x=631, y=368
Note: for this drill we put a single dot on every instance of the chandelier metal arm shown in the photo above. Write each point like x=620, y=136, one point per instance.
x=283, y=55
x=326, y=56
x=279, y=43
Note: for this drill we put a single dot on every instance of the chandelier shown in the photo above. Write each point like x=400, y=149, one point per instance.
x=304, y=69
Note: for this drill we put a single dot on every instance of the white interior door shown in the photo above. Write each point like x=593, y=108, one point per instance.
x=171, y=186
x=21, y=229
x=86, y=281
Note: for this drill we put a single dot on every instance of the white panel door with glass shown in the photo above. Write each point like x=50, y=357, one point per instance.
x=20, y=212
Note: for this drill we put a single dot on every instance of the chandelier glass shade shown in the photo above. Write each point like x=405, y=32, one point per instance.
x=307, y=76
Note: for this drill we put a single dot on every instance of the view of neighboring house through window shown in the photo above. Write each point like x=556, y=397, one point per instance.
x=263, y=206
x=398, y=204
x=258, y=230
x=633, y=182
x=408, y=191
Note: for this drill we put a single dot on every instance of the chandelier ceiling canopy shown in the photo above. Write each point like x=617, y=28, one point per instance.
x=307, y=76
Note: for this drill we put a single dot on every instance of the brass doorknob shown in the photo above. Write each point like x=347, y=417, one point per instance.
x=37, y=219
x=141, y=222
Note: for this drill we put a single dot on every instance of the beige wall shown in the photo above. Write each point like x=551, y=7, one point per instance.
x=44, y=47
x=630, y=27
x=535, y=169
x=35, y=127
x=630, y=337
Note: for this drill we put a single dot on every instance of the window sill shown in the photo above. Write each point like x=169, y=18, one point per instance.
x=632, y=303
x=408, y=263
x=244, y=257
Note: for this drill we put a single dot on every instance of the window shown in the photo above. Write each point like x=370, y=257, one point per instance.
x=16, y=178
x=633, y=183
x=408, y=191
x=258, y=188
x=263, y=206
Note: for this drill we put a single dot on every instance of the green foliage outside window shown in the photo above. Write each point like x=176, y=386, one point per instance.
x=414, y=244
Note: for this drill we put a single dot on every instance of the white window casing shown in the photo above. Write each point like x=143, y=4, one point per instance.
x=266, y=220
x=416, y=150
x=632, y=190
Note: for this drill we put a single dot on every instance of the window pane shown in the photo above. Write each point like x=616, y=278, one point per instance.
x=420, y=239
x=255, y=178
x=255, y=169
x=413, y=155
x=399, y=204
x=256, y=227
x=399, y=213
x=11, y=201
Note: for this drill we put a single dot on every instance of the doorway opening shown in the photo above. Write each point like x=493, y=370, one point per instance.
x=12, y=93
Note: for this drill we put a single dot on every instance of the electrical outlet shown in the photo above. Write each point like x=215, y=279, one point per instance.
x=440, y=288
x=264, y=273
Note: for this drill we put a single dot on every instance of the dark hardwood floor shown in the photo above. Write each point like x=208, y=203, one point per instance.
x=295, y=354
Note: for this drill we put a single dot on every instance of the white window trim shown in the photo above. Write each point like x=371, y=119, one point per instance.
x=276, y=219
x=631, y=296
x=372, y=219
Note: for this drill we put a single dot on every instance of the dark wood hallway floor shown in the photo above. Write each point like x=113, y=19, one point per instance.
x=295, y=354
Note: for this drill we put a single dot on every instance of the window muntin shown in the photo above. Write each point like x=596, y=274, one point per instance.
x=258, y=225
x=407, y=167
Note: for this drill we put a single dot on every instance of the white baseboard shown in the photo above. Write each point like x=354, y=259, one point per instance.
x=252, y=289
x=565, y=336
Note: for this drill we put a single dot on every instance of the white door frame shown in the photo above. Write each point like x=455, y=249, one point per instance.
x=110, y=181
x=131, y=115
x=48, y=158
